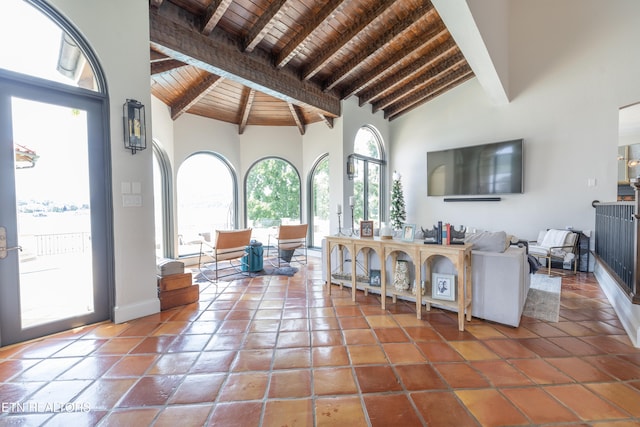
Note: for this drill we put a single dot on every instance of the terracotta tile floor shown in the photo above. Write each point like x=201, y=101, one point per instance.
x=279, y=351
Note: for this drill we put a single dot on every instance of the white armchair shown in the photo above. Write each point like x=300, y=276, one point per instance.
x=556, y=245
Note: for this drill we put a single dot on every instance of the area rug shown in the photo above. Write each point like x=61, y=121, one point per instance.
x=207, y=274
x=543, y=299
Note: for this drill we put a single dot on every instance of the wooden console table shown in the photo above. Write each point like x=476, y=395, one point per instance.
x=419, y=253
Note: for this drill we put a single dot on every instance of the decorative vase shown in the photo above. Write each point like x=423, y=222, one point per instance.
x=385, y=231
x=401, y=280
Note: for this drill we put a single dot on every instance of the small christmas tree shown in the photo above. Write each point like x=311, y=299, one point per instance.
x=398, y=214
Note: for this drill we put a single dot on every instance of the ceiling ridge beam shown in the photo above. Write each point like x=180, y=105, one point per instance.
x=424, y=77
x=297, y=43
x=429, y=92
x=213, y=15
x=363, y=20
x=395, y=76
x=398, y=28
x=159, y=67
x=245, y=109
x=386, y=67
x=175, y=36
x=297, y=117
x=264, y=25
x=194, y=94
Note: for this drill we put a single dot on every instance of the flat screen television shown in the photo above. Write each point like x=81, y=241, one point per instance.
x=495, y=168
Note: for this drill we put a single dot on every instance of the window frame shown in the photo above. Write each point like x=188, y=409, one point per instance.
x=381, y=162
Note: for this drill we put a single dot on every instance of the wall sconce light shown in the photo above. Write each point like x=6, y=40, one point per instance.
x=351, y=167
x=633, y=163
x=134, y=126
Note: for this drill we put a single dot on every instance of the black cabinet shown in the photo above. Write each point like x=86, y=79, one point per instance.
x=584, y=242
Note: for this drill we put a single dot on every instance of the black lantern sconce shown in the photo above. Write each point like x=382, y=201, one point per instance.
x=351, y=167
x=134, y=126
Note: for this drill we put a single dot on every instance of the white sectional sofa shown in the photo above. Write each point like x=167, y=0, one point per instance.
x=500, y=279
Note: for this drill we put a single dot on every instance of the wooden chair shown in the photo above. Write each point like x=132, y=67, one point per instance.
x=229, y=245
x=291, y=240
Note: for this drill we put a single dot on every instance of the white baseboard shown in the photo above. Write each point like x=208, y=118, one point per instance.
x=628, y=313
x=128, y=312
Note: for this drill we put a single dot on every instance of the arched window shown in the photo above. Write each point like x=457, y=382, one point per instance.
x=319, y=201
x=163, y=202
x=207, y=200
x=368, y=185
x=59, y=56
x=272, y=189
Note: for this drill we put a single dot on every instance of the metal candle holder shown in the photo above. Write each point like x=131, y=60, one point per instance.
x=340, y=233
x=353, y=230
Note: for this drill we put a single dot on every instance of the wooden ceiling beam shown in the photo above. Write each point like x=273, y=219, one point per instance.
x=264, y=25
x=419, y=79
x=400, y=26
x=194, y=94
x=157, y=56
x=429, y=92
x=297, y=117
x=164, y=66
x=327, y=120
x=389, y=66
x=359, y=24
x=245, y=109
x=213, y=15
x=297, y=43
x=173, y=34
x=392, y=75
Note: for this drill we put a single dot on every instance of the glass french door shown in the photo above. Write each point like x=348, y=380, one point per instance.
x=53, y=216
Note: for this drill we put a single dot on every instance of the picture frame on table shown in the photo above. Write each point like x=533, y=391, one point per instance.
x=366, y=228
x=408, y=232
x=443, y=286
x=374, y=278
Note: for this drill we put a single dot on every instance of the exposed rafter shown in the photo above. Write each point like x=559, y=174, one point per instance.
x=421, y=79
x=245, y=109
x=308, y=27
x=428, y=93
x=219, y=55
x=214, y=12
x=158, y=67
x=297, y=117
x=327, y=120
x=354, y=28
x=264, y=25
x=398, y=77
x=194, y=94
x=370, y=50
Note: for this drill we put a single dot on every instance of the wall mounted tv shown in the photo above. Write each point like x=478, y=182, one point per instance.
x=495, y=168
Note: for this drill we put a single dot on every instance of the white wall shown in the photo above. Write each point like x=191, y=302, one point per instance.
x=124, y=57
x=569, y=72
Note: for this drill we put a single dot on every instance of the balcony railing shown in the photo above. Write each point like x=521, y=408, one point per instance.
x=64, y=243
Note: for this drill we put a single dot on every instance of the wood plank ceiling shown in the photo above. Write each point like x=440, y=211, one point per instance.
x=291, y=62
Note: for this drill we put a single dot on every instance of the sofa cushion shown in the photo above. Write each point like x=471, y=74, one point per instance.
x=488, y=241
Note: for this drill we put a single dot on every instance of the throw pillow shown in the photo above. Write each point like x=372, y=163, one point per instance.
x=488, y=241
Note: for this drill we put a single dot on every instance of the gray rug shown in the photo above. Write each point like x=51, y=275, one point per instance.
x=543, y=299
x=208, y=274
